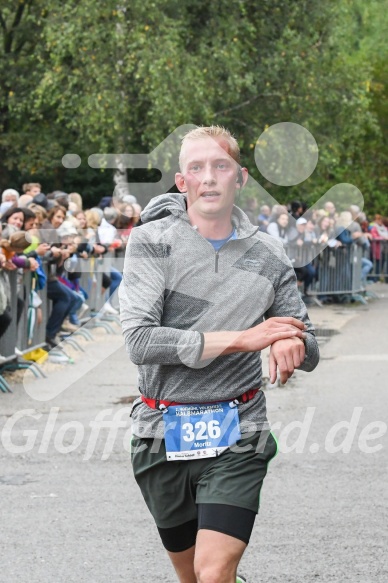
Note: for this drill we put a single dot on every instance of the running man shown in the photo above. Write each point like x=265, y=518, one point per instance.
x=203, y=292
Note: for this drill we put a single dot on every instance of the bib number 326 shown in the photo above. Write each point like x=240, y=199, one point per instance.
x=201, y=430
x=197, y=431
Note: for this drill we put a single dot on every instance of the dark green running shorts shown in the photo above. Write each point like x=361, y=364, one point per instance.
x=173, y=489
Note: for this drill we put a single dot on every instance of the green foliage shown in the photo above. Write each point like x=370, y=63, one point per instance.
x=88, y=77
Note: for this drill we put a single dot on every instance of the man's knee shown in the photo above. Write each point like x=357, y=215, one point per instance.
x=212, y=574
x=208, y=570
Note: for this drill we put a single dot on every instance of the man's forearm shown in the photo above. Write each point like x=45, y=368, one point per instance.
x=225, y=342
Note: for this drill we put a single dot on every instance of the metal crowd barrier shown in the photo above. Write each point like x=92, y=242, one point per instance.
x=31, y=333
x=379, y=258
x=26, y=335
x=337, y=270
x=91, y=280
x=8, y=340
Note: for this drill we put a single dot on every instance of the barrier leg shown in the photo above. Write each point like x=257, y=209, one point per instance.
x=98, y=323
x=4, y=386
x=84, y=333
x=111, y=318
x=25, y=365
x=73, y=343
x=359, y=298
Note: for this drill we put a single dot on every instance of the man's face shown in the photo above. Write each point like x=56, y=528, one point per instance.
x=208, y=176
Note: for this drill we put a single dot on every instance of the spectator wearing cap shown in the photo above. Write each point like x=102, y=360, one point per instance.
x=69, y=276
x=106, y=201
x=301, y=229
x=41, y=200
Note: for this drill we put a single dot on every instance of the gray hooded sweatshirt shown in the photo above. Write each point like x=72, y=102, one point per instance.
x=176, y=287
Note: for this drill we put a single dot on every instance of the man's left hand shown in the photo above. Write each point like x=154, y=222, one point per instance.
x=285, y=355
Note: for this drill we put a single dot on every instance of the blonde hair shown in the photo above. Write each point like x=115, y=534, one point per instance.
x=214, y=132
x=39, y=211
x=92, y=219
x=77, y=198
x=344, y=219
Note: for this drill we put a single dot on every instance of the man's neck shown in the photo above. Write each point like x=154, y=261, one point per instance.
x=212, y=228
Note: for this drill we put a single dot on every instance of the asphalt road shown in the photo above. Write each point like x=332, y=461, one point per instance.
x=71, y=511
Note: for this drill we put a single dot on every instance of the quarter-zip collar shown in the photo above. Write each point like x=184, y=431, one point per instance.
x=175, y=204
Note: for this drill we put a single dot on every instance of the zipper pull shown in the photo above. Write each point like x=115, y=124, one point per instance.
x=216, y=263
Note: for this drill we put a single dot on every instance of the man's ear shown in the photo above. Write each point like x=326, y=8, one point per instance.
x=244, y=173
x=180, y=182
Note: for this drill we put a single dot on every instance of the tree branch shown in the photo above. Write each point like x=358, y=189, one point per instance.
x=18, y=16
x=3, y=23
x=15, y=24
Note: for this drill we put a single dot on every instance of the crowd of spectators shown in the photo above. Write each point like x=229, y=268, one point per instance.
x=56, y=231
x=48, y=235
x=325, y=227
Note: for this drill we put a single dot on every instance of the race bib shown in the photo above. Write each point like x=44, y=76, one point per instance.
x=196, y=431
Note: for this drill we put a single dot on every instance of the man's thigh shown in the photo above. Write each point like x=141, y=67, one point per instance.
x=236, y=477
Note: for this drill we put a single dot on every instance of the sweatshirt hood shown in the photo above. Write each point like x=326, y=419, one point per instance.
x=164, y=205
x=175, y=204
